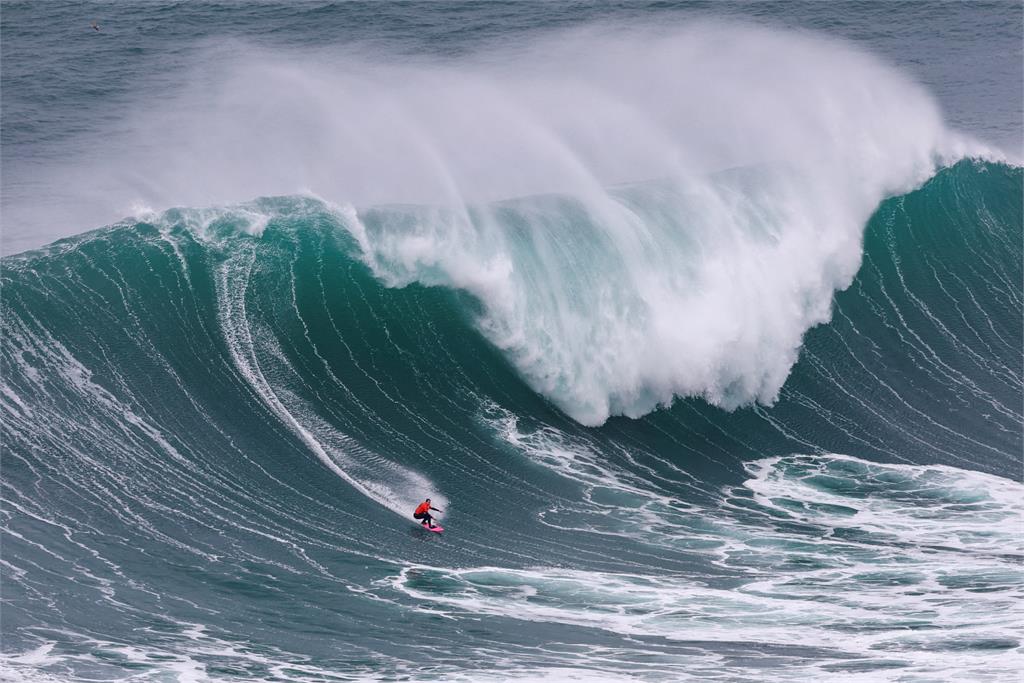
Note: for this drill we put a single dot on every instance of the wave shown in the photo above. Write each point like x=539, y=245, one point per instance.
x=276, y=301
x=216, y=402
x=520, y=186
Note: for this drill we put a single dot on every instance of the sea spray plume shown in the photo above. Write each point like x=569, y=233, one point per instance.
x=701, y=281
x=557, y=115
x=615, y=301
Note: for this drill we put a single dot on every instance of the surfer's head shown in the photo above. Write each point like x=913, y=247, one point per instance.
x=427, y=500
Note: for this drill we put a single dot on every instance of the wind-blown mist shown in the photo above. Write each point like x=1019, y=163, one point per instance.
x=642, y=214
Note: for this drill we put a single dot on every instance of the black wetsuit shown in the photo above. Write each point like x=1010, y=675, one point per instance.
x=425, y=516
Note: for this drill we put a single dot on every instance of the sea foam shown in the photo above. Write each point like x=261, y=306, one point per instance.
x=761, y=156
x=643, y=213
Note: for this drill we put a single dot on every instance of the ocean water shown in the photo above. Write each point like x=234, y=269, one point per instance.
x=702, y=322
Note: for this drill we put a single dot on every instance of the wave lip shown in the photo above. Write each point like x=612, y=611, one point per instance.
x=615, y=299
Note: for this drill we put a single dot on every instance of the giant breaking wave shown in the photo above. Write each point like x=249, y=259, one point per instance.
x=640, y=213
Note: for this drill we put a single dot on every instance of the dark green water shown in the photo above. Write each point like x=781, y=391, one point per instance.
x=211, y=439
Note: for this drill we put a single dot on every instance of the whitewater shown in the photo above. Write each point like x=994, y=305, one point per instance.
x=703, y=326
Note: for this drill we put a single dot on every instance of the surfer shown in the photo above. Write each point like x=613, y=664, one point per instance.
x=423, y=513
x=95, y=26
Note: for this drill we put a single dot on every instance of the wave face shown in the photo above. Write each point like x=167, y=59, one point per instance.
x=213, y=419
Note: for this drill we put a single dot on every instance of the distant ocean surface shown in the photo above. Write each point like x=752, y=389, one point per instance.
x=702, y=322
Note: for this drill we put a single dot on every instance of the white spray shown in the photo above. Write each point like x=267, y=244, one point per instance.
x=754, y=157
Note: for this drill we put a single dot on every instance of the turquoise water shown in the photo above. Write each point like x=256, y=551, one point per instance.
x=693, y=409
